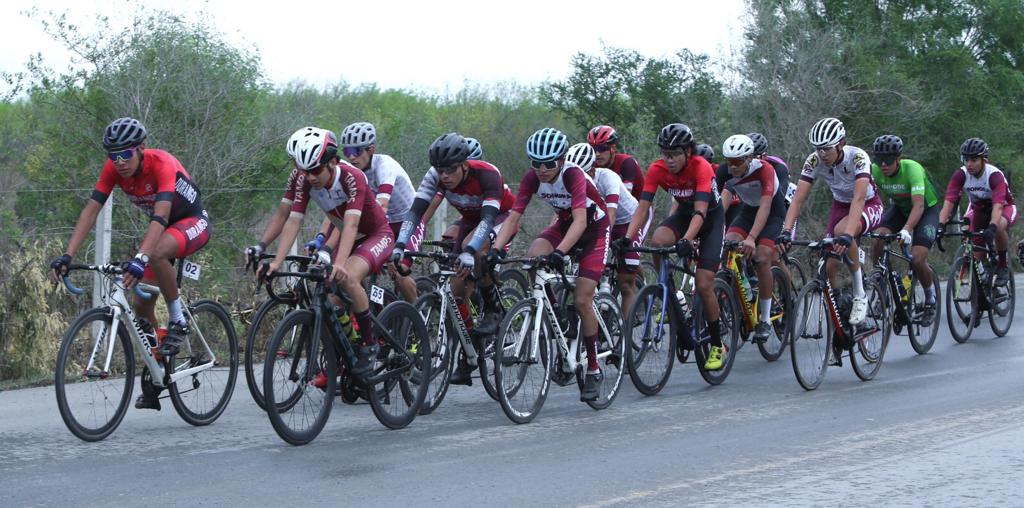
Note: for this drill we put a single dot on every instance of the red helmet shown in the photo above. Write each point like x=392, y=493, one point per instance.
x=602, y=135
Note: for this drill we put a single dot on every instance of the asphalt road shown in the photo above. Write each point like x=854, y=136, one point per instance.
x=942, y=429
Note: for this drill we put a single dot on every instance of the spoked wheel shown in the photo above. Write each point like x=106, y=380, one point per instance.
x=961, y=299
x=514, y=279
x=923, y=334
x=510, y=296
x=871, y=337
x=212, y=349
x=402, y=372
x=611, y=351
x=729, y=326
x=441, y=350
x=812, y=337
x=264, y=322
x=297, y=390
x=650, y=340
x=522, y=366
x=796, y=274
x=93, y=400
x=781, y=318
x=1003, y=300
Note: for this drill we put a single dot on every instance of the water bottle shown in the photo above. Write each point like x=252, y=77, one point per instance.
x=982, y=272
x=683, y=305
x=348, y=328
x=906, y=288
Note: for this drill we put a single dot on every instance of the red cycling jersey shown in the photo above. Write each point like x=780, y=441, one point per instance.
x=627, y=167
x=696, y=182
x=161, y=178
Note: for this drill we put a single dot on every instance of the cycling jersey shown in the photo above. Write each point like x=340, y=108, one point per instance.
x=294, y=187
x=910, y=180
x=388, y=180
x=842, y=177
x=482, y=186
x=571, y=189
x=627, y=167
x=615, y=195
x=696, y=182
x=348, y=194
x=982, y=190
x=160, y=178
x=722, y=176
x=759, y=180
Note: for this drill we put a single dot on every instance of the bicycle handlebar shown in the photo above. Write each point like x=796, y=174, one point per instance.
x=441, y=257
x=820, y=245
x=109, y=269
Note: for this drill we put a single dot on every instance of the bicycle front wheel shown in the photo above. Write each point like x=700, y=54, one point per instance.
x=923, y=337
x=403, y=366
x=812, y=339
x=961, y=299
x=510, y=296
x=650, y=340
x=522, y=365
x=729, y=326
x=298, y=380
x=212, y=351
x=611, y=351
x=92, y=400
x=442, y=350
x=1003, y=299
x=264, y=322
x=871, y=337
x=781, y=319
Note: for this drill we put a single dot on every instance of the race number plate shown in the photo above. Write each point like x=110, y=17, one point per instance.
x=190, y=270
x=377, y=294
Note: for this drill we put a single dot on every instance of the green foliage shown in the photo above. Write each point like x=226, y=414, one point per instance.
x=29, y=331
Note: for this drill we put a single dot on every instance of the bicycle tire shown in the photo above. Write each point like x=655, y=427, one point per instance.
x=442, y=347
x=961, y=289
x=219, y=335
x=70, y=378
x=510, y=296
x=612, y=345
x=782, y=302
x=285, y=364
x=729, y=327
x=650, y=357
x=513, y=362
x=797, y=277
x=398, y=397
x=809, y=368
x=514, y=278
x=924, y=337
x=260, y=331
x=868, y=351
x=1000, y=295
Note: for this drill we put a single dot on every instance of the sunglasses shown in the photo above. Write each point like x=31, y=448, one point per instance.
x=602, y=148
x=545, y=164
x=449, y=169
x=317, y=170
x=824, y=149
x=353, y=151
x=672, y=154
x=121, y=156
x=886, y=160
x=735, y=163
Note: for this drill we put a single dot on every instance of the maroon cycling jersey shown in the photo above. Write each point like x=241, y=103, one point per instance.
x=571, y=189
x=629, y=170
x=294, y=186
x=988, y=187
x=696, y=182
x=161, y=178
x=482, y=186
x=348, y=194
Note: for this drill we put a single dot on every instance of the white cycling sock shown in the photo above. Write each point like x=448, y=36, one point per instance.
x=766, y=310
x=858, y=283
x=929, y=294
x=174, y=310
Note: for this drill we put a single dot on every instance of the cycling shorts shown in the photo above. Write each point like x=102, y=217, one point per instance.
x=710, y=236
x=593, y=245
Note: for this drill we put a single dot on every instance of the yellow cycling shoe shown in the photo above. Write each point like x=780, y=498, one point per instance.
x=715, y=358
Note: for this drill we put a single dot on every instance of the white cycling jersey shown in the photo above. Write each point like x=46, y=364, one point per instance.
x=841, y=178
x=388, y=179
x=616, y=195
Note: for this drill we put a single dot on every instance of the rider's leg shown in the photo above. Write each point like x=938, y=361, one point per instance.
x=705, y=289
x=854, y=254
x=878, y=245
x=627, y=287
x=358, y=269
x=584, y=300
x=664, y=236
x=765, y=282
x=165, y=277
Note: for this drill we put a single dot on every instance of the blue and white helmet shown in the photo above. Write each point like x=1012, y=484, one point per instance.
x=582, y=155
x=359, y=135
x=547, y=144
x=476, y=152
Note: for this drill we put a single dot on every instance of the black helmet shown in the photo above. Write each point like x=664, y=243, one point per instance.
x=888, y=144
x=974, y=147
x=675, y=135
x=123, y=133
x=705, y=150
x=448, y=149
x=760, y=143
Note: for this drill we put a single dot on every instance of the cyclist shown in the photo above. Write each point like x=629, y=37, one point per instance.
x=621, y=205
x=759, y=221
x=991, y=202
x=781, y=168
x=697, y=217
x=390, y=184
x=605, y=141
x=477, y=190
x=582, y=220
x=915, y=210
x=476, y=153
x=856, y=207
x=178, y=225
x=708, y=152
x=364, y=236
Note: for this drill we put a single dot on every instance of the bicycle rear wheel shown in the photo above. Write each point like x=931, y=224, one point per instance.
x=297, y=407
x=1003, y=299
x=510, y=296
x=399, y=394
x=812, y=339
x=202, y=397
x=729, y=326
x=650, y=340
x=522, y=366
x=923, y=337
x=871, y=337
x=441, y=351
x=93, y=401
x=782, y=323
x=796, y=274
x=611, y=351
x=264, y=322
x=961, y=299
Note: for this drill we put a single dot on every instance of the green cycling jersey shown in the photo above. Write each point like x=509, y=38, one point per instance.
x=909, y=180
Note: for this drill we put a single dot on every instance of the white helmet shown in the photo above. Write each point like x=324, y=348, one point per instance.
x=827, y=132
x=476, y=152
x=358, y=135
x=315, y=149
x=296, y=137
x=582, y=155
x=737, y=146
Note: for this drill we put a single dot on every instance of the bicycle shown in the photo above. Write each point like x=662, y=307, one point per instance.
x=822, y=331
x=906, y=296
x=95, y=373
x=666, y=317
x=737, y=273
x=450, y=337
x=972, y=291
x=540, y=342
x=311, y=341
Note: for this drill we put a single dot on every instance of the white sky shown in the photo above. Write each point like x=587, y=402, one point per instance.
x=425, y=45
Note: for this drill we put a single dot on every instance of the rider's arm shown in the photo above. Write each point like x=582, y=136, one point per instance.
x=803, y=189
x=276, y=223
x=508, y=227
x=953, y=191
x=432, y=208
x=576, y=230
x=701, y=202
x=493, y=190
x=860, y=194
x=287, y=238
x=577, y=187
x=700, y=213
x=1000, y=189
x=726, y=199
x=86, y=220
x=917, y=181
x=157, y=225
x=349, y=228
x=643, y=206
